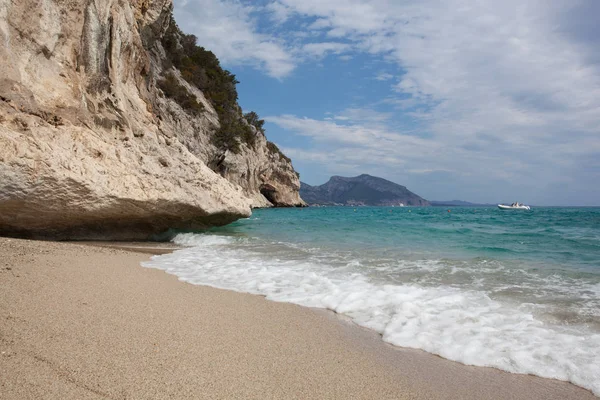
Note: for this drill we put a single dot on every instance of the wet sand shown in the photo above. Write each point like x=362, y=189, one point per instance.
x=87, y=322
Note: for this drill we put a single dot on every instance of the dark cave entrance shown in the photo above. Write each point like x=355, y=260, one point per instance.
x=269, y=192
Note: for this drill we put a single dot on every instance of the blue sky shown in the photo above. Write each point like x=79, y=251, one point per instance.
x=484, y=101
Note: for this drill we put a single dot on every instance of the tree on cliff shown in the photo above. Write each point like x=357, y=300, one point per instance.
x=255, y=121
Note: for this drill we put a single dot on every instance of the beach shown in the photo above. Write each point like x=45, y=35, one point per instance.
x=88, y=322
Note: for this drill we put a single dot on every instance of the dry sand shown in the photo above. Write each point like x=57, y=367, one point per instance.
x=83, y=322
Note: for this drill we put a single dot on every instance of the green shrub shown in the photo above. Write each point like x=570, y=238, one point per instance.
x=247, y=135
x=255, y=121
x=225, y=138
x=232, y=133
x=275, y=150
x=202, y=69
x=174, y=90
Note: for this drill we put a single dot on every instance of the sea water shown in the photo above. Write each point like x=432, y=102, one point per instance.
x=514, y=290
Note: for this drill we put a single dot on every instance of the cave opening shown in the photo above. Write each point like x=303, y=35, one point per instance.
x=269, y=192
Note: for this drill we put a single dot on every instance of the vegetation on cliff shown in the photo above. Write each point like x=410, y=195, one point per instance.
x=239, y=151
x=275, y=150
x=173, y=89
x=201, y=68
x=253, y=119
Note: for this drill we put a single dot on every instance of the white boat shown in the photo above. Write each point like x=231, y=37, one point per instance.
x=514, y=206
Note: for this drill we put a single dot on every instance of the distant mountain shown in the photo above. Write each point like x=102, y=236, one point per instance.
x=361, y=190
x=458, y=203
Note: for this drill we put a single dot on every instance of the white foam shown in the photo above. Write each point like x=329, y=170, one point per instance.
x=461, y=325
x=192, y=239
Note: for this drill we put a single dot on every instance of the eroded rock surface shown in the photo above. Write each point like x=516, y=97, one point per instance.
x=91, y=148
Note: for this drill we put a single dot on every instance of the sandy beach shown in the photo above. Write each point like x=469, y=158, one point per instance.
x=88, y=322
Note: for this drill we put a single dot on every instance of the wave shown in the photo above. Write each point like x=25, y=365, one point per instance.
x=459, y=324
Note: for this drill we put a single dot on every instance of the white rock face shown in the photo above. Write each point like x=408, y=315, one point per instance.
x=91, y=149
x=267, y=178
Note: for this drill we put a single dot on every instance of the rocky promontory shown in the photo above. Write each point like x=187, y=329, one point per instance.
x=365, y=190
x=103, y=135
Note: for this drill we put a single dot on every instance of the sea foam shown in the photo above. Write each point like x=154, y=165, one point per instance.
x=458, y=324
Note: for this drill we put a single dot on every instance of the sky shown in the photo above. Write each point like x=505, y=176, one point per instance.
x=478, y=100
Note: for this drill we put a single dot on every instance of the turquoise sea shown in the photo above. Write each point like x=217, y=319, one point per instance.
x=514, y=290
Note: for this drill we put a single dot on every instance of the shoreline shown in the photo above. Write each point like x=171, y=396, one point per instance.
x=152, y=248
x=85, y=320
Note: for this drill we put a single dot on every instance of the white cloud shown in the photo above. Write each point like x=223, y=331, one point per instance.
x=427, y=171
x=384, y=76
x=227, y=28
x=321, y=49
x=501, y=67
x=320, y=23
x=364, y=142
x=344, y=16
x=280, y=13
x=363, y=116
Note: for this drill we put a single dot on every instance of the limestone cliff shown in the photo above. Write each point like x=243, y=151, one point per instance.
x=91, y=147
